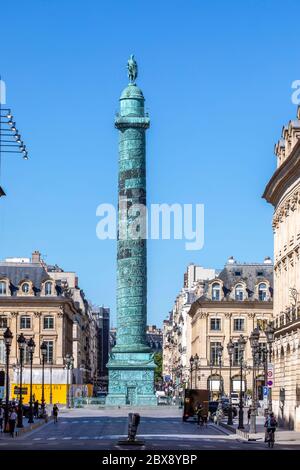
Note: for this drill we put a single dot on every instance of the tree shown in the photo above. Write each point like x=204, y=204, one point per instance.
x=158, y=358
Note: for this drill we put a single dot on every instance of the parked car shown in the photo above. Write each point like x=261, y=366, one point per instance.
x=235, y=398
x=225, y=407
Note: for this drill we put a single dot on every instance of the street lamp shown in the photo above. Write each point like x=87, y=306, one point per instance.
x=69, y=361
x=31, y=346
x=8, y=336
x=230, y=349
x=196, y=362
x=269, y=332
x=241, y=345
x=22, y=345
x=44, y=350
x=8, y=133
x=220, y=352
x=254, y=343
x=191, y=370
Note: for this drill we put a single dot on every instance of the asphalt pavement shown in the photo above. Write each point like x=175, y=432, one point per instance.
x=160, y=429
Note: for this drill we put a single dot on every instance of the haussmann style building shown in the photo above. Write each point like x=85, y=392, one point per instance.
x=237, y=300
x=283, y=192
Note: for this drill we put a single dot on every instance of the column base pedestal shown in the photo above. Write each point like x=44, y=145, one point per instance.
x=131, y=379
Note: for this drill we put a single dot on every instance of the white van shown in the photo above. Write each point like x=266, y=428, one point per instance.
x=235, y=399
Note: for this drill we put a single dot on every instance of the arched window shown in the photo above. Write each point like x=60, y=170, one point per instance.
x=262, y=291
x=216, y=291
x=239, y=292
x=2, y=288
x=25, y=288
x=48, y=288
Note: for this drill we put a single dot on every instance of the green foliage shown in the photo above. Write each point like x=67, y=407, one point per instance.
x=158, y=358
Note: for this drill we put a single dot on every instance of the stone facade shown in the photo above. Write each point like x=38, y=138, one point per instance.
x=283, y=192
x=177, y=330
x=234, y=303
x=42, y=302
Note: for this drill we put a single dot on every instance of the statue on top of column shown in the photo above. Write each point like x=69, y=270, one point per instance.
x=132, y=69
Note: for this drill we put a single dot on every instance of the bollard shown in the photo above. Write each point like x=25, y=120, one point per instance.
x=133, y=423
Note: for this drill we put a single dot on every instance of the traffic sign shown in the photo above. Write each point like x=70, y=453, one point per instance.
x=270, y=375
x=266, y=391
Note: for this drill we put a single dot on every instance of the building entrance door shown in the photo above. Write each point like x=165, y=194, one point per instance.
x=131, y=396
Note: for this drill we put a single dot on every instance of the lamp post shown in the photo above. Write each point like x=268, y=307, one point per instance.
x=241, y=344
x=191, y=371
x=31, y=346
x=269, y=332
x=254, y=343
x=196, y=362
x=220, y=352
x=69, y=362
x=51, y=398
x=8, y=336
x=230, y=349
x=210, y=382
x=22, y=344
x=44, y=354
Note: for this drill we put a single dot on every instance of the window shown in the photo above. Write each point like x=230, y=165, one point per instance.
x=262, y=324
x=49, y=355
x=26, y=355
x=2, y=288
x=239, y=292
x=25, y=288
x=237, y=356
x=48, y=288
x=48, y=323
x=2, y=351
x=215, y=324
x=214, y=353
x=216, y=291
x=25, y=322
x=262, y=292
x=3, y=322
x=239, y=324
x=237, y=273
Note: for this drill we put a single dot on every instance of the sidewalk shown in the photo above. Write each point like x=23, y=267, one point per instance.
x=282, y=435
x=27, y=427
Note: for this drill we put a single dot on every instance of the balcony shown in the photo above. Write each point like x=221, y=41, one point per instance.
x=287, y=321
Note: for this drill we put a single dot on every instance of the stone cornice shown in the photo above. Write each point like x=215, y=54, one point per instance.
x=232, y=304
x=284, y=176
x=36, y=302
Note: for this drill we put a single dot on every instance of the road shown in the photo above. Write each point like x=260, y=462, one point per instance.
x=101, y=429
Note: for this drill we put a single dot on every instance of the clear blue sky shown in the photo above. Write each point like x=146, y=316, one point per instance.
x=217, y=79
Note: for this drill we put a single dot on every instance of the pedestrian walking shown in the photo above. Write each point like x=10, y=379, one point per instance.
x=55, y=413
x=12, y=422
x=199, y=412
x=249, y=414
x=36, y=409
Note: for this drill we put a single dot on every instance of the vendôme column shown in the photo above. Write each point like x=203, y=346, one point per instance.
x=131, y=366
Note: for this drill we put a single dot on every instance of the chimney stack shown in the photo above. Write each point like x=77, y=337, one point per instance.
x=36, y=257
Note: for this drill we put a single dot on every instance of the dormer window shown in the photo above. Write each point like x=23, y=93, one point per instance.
x=3, y=288
x=216, y=291
x=48, y=288
x=25, y=288
x=239, y=292
x=262, y=291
